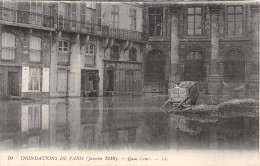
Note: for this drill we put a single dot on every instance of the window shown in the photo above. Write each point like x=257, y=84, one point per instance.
x=90, y=55
x=74, y=14
x=91, y=5
x=87, y=16
x=194, y=21
x=155, y=65
x=133, y=54
x=35, y=49
x=64, y=15
x=36, y=7
x=34, y=79
x=8, y=46
x=235, y=20
x=155, y=21
x=114, y=16
x=132, y=18
x=114, y=53
x=9, y=15
x=234, y=67
x=194, y=67
x=63, y=52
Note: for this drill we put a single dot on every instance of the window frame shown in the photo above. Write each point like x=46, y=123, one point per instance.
x=38, y=18
x=132, y=19
x=235, y=22
x=132, y=57
x=194, y=20
x=40, y=80
x=8, y=36
x=117, y=57
x=155, y=22
x=32, y=49
x=90, y=55
x=63, y=53
x=115, y=24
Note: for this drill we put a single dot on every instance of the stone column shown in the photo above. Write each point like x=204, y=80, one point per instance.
x=175, y=67
x=214, y=78
x=254, y=71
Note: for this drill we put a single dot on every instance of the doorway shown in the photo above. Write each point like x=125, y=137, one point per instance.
x=110, y=76
x=13, y=83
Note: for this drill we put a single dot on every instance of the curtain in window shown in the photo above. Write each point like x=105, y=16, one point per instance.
x=35, y=49
x=35, y=79
x=8, y=46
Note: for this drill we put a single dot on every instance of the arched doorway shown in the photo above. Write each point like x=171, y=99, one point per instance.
x=155, y=67
x=194, y=67
x=234, y=67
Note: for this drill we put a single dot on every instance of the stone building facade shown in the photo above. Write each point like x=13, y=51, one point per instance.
x=25, y=49
x=216, y=45
x=58, y=49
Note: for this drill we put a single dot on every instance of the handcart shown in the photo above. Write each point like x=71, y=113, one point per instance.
x=182, y=95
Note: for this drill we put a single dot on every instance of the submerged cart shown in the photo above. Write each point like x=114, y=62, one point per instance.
x=182, y=95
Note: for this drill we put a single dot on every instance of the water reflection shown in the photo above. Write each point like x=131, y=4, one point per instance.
x=115, y=123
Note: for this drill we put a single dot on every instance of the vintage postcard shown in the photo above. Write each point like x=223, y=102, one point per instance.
x=153, y=82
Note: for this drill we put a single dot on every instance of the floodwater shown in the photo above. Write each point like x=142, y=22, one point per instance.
x=116, y=123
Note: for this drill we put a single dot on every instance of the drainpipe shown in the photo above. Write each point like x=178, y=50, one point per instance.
x=67, y=88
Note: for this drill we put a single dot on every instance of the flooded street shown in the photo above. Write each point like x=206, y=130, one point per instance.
x=116, y=123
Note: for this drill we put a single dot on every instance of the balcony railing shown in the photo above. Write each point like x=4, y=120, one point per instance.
x=99, y=30
x=24, y=17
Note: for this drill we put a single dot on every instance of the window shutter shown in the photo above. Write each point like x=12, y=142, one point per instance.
x=45, y=79
x=72, y=82
x=62, y=81
x=45, y=116
x=25, y=79
x=24, y=120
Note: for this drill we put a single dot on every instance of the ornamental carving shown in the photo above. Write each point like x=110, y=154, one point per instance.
x=242, y=47
x=204, y=49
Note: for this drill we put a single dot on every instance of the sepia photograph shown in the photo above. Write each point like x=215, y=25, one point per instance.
x=152, y=82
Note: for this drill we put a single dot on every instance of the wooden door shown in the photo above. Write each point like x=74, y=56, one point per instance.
x=13, y=83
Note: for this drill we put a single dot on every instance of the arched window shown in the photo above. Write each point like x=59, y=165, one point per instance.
x=114, y=53
x=90, y=55
x=133, y=54
x=194, y=67
x=234, y=67
x=155, y=65
x=8, y=46
x=63, y=52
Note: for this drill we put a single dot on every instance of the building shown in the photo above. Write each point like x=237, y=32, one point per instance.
x=25, y=48
x=216, y=45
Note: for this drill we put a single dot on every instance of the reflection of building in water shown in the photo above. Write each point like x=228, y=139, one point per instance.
x=64, y=123
x=108, y=126
x=24, y=125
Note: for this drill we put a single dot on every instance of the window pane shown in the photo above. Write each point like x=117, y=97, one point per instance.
x=190, y=10
x=151, y=10
x=197, y=31
x=230, y=18
x=158, y=29
x=230, y=28
x=239, y=9
x=190, y=31
x=190, y=18
x=197, y=25
x=190, y=25
x=158, y=19
x=151, y=19
x=239, y=31
x=239, y=18
x=197, y=10
x=238, y=24
x=197, y=18
x=151, y=28
x=231, y=9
